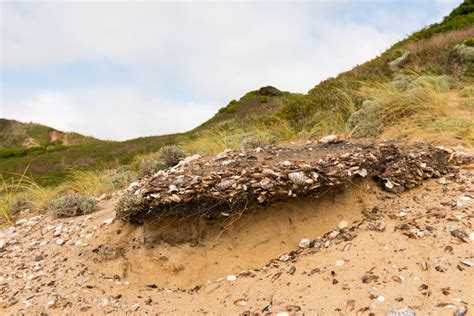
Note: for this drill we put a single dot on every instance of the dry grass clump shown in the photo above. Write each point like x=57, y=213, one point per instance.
x=21, y=192
x=89, y=182
x=72, y=205
x=8, y=190
x=234, y=134
x=420, y=101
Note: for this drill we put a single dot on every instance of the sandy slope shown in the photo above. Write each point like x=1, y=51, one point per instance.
x=416, y=261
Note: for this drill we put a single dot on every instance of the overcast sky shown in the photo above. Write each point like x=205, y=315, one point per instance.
x=119, y=70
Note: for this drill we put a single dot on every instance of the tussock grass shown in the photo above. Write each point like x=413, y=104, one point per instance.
x=424, y=99
x=232, y=134
x=89, y=182
x=8, y=192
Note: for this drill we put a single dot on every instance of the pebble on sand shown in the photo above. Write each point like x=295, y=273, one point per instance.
x=231, y=278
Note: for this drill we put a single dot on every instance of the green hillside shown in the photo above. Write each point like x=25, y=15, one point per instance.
x=421, y=88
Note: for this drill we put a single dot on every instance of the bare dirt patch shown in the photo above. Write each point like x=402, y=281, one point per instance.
x=184, y=253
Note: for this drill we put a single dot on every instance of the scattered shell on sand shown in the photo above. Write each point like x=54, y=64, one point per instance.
x=461, y=311
x=231, y=277
x=342, y=224
x=241, y=302
x=406, y=311
x=304, y=243
x=464, y=201
x=328, y=139
x=340, y=263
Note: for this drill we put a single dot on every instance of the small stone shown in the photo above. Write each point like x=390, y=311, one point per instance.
x=442, y=180
x=342, y=224
x=304, y=243
x=471, y=236
x=3, y=243
x=381, y=298
x=108, y=221
x=340, y=263
x=51, y=302
x=461, y=311
x=464, y=201
x=231, y=278
x=286, y=163
x=222, y=155
x=285, y=258
x=59, y=242
x=328, y=139
x=135, y=307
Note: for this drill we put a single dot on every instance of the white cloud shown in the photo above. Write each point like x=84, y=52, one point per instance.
x=112, y=113
x=214, y=52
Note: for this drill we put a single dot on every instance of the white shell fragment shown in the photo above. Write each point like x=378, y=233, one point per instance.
x=298, y=178
x=340, y=263
x=231, y=278
x=362, y=172
x=224, y=185
x=342, y=224
x=304, y=243
x=389, y=184
x=328, y=139
x=464, y=201
x=172, y=189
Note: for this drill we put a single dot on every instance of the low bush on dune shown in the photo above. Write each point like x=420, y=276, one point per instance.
x=170, y=155
x=72, y=205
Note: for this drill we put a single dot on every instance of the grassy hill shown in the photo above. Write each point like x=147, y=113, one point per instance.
x=420, y=88
x=14, y=134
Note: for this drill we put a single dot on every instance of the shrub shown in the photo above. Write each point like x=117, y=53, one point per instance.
x=397, y=64
x=128, y=205
x=170, y=155
x=230, y=108
x=255, y=142
x=72, y=205
x=121, y=179
x=466, y=54
x=365, y=122
x=150, y=167
x=469, y=42
x=21, y=204
x=263, y=99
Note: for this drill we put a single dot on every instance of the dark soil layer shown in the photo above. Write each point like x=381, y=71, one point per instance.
x=234, y=181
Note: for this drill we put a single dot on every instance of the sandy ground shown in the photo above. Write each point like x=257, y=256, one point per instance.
x=397, y=251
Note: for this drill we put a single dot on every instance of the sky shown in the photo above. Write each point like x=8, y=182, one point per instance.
x=120, y=70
